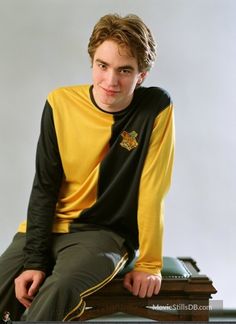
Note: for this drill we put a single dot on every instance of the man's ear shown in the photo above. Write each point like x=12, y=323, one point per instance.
x=141, y=78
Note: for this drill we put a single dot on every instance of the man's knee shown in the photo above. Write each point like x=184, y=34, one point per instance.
x=66, y=284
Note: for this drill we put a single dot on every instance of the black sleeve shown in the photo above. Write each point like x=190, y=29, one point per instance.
x=44, y=195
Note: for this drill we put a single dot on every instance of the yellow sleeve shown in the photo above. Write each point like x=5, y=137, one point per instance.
x=154, y=184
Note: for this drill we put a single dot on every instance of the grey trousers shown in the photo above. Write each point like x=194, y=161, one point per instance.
x=83, y=263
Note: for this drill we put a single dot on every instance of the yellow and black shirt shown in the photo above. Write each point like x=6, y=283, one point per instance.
x=102, y=170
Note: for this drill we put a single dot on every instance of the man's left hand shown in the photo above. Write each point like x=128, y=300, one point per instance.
x=142, y=284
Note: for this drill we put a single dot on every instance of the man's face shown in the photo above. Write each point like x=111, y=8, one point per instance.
x=6, y=316
x=115, y=76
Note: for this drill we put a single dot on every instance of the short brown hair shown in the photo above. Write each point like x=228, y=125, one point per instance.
x=127, y=31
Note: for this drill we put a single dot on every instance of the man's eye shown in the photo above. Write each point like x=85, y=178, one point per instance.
x=102, y=66
x=125, y=71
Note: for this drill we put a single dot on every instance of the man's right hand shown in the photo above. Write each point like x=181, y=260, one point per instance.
x=27, y=285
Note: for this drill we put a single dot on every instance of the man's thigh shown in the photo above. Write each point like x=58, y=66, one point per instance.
x=91, y=255
x=11, y=261
x=84, y=262
x=11, y=265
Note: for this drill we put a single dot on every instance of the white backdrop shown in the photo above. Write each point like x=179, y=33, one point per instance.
x=43, y=45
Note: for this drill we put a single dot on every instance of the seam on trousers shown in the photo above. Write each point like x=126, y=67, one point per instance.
x=81, y=306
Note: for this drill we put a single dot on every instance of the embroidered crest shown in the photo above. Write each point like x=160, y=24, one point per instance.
x=129, y=141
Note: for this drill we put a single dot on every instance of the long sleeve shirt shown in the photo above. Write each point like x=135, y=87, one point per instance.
x=96, y=169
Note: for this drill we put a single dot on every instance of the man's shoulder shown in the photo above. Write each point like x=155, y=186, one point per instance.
x=156, y=98
x=67, y=93
x=69, y=90
x=157, y=92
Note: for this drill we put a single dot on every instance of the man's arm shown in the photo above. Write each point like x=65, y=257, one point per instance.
x=44, y=196
x=41, y=211
x=145, y=279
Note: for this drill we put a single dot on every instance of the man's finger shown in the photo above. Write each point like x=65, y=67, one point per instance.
x=136, y=286
x=128, y=282
x=151, y=287
x=157, y=288
x=20, y=288
x=25, y=301
x=34, y=288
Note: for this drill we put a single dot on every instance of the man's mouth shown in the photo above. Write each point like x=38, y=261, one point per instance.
x=110, y=92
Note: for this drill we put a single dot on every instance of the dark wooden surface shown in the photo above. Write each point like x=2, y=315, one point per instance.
x=188, y=299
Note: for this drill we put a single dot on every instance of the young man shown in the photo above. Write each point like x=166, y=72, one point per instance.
x=103, y=166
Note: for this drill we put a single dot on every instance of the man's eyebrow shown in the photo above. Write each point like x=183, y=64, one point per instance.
x=126, y=67
x=123, y=67
x=101, y=61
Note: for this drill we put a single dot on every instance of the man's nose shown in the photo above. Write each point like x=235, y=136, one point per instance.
x=112, y=78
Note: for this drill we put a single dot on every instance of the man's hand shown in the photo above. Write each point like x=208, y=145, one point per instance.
x=142, y=284
x=27, y=285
